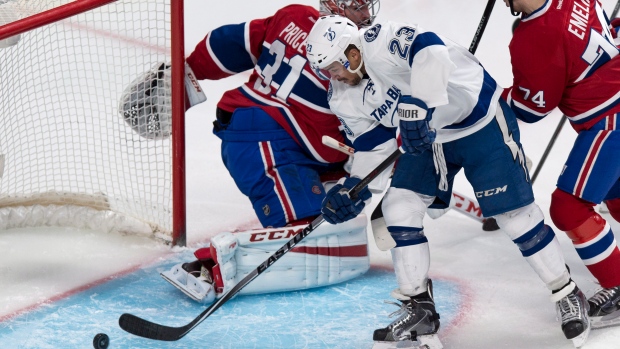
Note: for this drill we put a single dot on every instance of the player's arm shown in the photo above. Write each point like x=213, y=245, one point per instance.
x=539, y=79
x=228, y=50
x=371, y=148
x=431, y=68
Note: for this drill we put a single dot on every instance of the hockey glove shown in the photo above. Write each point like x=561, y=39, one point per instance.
x=146, y=104
x=338, y=207
x=415, y=133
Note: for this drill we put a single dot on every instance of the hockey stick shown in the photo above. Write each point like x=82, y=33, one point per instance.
x=151, y=330
x=614, y=13
x=481, y=26
x=461, y=204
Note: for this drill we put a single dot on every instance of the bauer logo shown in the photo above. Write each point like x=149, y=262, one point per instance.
x=372, y=33
x=330, y=34
x=408, y=114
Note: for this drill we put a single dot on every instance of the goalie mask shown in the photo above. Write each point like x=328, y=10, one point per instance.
x=360, y=12
x=327, y=42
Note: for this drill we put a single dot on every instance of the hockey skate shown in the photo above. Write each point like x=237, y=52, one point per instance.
x=193, y=279
x=572, y=309
x=605, y=307
x=416, y=326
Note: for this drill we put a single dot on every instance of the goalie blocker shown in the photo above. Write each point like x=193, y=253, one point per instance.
x=332, y=254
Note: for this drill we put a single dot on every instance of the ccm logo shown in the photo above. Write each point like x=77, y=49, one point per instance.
x=491, y=192
x=274, y=235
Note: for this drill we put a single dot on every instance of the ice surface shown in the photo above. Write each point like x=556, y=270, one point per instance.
x=487, y=294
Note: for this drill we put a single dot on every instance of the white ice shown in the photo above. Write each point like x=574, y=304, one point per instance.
x=507, y=305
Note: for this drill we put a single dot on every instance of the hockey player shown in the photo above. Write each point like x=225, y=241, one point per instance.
x=271, y=129
x=563, y=56
x=450, y=115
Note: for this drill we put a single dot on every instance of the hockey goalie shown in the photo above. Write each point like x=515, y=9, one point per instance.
x=271, y=129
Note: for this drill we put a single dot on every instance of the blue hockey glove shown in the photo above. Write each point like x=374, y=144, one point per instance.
x=414, y=116
x=338, y=207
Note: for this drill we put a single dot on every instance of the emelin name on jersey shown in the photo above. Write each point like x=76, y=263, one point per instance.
x=579, y=19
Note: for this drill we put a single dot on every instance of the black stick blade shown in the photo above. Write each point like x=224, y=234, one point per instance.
x=147, y=329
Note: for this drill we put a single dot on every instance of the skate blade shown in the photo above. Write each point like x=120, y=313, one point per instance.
x=581, y=339
x=173, y=281
x=612, y=319
x=430, y=341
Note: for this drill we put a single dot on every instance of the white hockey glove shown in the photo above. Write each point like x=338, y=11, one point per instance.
x=8, y=14
x=146, y=104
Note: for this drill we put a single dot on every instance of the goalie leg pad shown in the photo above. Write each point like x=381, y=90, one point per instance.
x=537, y=242
x=330, y=255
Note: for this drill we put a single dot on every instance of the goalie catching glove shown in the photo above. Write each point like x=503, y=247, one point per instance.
x=331, y=254
x=146, y=104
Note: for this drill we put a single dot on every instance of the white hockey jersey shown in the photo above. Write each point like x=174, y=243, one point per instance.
x=402, y=59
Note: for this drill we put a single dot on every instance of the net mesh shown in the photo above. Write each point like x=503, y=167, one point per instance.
x=61, y=132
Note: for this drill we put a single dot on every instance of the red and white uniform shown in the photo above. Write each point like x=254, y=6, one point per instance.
x=562, y=56
x=281, y=83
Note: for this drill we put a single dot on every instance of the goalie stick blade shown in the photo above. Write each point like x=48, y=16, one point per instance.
x=147, y=329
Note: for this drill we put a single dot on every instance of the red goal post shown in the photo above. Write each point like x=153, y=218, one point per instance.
x=67, y=156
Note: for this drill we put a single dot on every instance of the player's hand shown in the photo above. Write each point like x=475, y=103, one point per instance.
x=415, y=133
x=338, y=207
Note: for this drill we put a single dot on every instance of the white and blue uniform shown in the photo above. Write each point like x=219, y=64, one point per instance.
x=476, y=131
x=401, y=59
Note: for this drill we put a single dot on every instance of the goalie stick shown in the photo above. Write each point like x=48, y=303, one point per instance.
x=147, y=329
x=460, y=202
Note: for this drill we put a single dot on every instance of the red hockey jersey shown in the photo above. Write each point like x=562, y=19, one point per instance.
x=282, y=82
x=563, y=56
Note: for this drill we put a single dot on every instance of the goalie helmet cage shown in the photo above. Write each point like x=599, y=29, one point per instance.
x=67, y=157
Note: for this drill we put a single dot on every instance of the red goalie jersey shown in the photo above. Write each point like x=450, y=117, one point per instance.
x=563, y=56
x=281, y=83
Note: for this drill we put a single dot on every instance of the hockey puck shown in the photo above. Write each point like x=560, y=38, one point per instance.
x=490, y=224
x=101, y=341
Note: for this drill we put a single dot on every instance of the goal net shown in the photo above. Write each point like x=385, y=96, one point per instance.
x=67, y=156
